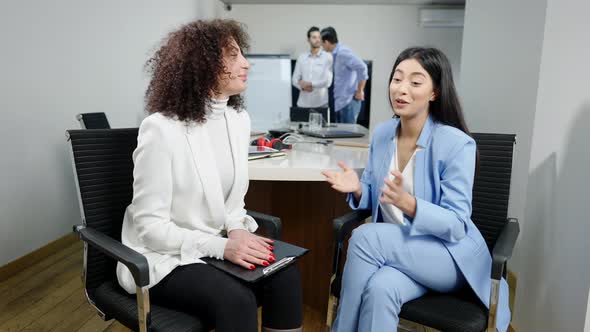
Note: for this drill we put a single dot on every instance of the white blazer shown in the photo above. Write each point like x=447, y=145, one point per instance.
x=178, y=213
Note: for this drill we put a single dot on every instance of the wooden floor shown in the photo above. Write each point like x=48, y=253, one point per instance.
x=48, y=296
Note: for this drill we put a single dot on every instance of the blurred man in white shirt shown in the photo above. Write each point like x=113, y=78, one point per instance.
x=313, y=73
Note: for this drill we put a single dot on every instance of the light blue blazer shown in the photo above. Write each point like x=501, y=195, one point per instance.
x=443, y=185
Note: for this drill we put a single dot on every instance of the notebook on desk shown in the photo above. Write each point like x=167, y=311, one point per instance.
x=262, y=156
x=285, y=254
x=259, y=152
x=331, y=133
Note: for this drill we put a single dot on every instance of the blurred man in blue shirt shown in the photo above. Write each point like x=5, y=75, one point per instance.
x=350, y=76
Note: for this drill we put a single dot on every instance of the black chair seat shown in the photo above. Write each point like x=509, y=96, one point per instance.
x=461, y=311
x=115, y=302
x=447, y=312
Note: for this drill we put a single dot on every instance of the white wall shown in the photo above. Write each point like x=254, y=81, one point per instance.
x=208, y=8
x=374, y=32
x=525, y=70
x=555, y=272
x=502, y=43
x=60, y=58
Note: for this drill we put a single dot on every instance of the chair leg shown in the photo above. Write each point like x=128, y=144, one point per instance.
x=143, y=308
x=494, y=296
x=332, y=305
x=332, y=309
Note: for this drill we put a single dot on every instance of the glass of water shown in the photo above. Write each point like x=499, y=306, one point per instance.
x=315, y=121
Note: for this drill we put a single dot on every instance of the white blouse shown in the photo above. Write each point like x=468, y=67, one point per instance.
x=391, y=213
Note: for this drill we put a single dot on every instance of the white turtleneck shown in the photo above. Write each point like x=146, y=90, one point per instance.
x=219, y=137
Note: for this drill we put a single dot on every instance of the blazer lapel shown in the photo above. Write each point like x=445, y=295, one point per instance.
x=240, y=172
x=420, y=174
x=382, y=167
x=200, y=145
x=389, y=146
x=420, y=170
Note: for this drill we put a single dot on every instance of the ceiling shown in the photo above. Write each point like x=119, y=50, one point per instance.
x=350, y=2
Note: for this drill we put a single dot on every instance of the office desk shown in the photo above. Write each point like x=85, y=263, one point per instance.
x=293, y=188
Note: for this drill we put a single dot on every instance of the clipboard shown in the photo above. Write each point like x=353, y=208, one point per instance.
x=286, y=254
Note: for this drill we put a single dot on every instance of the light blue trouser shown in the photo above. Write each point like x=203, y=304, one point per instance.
x=385, y=267
x=350, y=112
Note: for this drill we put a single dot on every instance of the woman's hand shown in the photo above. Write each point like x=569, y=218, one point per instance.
x=247, y=250
x=346, y=181
x=393, y=193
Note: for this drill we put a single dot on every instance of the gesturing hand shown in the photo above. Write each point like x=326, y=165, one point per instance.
x=246, y=249
x=345, y=181
x=393, y=193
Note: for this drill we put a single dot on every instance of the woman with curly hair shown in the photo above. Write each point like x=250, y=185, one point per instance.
x=190, y=179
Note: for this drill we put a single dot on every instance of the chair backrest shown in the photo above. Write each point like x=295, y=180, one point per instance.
x=103, y=168
x=93, y=120
x=491, y=188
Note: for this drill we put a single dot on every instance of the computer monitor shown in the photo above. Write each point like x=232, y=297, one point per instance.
x=301, y=114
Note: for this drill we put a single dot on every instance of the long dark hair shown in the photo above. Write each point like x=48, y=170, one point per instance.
x=446, y=107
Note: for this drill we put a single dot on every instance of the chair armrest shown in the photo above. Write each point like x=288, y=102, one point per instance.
x=135, y=262
x=503, y=248
x=343, y=225
x=272, y=224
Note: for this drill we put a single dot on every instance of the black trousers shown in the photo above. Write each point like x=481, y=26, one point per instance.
x=229, y=304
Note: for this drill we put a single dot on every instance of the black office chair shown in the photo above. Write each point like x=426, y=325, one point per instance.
x=103, y=168
x=461, y=311
x=93, y=120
